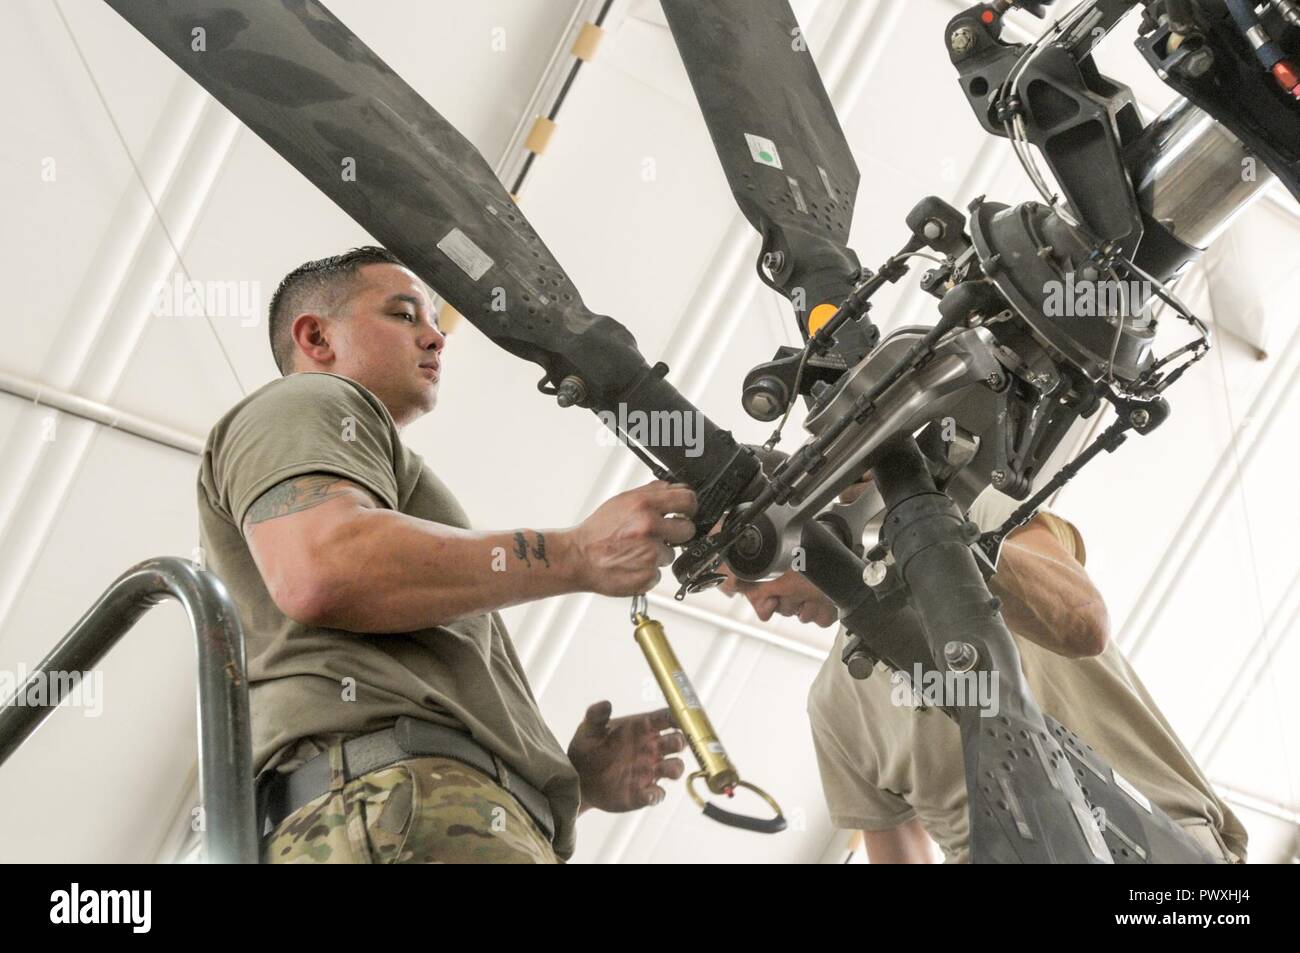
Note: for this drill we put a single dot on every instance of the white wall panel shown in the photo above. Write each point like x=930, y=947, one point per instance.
x=631, y=199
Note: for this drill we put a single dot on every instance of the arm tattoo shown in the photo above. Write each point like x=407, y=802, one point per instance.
x=538, y=550
x=294, y=496
x=521, y=548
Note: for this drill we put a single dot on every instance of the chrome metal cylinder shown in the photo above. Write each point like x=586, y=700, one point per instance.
x=1195, y=176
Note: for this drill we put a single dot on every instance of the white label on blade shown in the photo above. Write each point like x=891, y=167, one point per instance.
x=1122, y=783
x=686, y=689
x=471, y=259
x=826, y=181
x=797, y=192
x=763, y=151
x=1092, y=834
x=1013, y=805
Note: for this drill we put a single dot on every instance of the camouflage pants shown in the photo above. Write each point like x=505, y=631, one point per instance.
x=418, y=811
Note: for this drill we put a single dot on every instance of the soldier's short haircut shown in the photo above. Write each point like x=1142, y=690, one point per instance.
x=324, y=285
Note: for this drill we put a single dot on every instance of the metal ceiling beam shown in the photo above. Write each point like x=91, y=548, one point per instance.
x=42, y=395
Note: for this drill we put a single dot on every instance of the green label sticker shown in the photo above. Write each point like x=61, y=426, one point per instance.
x=763, y=151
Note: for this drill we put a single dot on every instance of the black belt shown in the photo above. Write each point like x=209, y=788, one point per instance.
x=280, y=794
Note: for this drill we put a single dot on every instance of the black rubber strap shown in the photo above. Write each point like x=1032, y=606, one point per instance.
x=758, y=825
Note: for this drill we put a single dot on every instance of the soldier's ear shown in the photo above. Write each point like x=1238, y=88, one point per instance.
x=311, y=337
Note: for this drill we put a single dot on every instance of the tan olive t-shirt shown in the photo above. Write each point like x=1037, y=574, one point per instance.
x=301, y=678
x=883, y=764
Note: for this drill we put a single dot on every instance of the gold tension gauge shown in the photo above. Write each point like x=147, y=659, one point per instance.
x=716, y=768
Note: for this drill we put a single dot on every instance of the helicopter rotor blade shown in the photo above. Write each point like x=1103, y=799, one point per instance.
x=779, y=141
x=307, y=85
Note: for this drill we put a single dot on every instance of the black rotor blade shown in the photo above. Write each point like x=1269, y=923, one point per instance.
x=777, y=135
x=301, y=80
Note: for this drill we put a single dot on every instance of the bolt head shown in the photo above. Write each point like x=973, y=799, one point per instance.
x=749, y=542
x=874, y=573
x=960, y=656
x=571, y=391
x=860, y=665
x=961, y=39
x=761, y=404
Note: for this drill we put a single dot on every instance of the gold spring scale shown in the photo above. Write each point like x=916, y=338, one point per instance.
x=720, y=775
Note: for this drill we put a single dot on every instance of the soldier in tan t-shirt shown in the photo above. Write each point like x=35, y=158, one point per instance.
x=895, y=771
x=391, y=718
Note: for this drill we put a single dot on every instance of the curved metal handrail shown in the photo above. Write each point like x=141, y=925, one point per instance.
x=225, y=736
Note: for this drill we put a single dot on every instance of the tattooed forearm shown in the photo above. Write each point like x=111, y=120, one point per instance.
x=537, y=551
x=294, y=496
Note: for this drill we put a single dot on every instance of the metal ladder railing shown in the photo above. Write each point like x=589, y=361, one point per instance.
x=225, y=737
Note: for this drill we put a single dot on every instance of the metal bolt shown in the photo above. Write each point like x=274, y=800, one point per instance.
x=857, y=659
x=960, y=656
x=933, y=229
x=874, y=573
x=998, y=478
x=860, y=664
x=761, y=405
x=1197, y=64
x=572, y=390
x=1139, y=418
x=774, y=261
x=994, y=380
x=962, y=39
x=749, y=542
